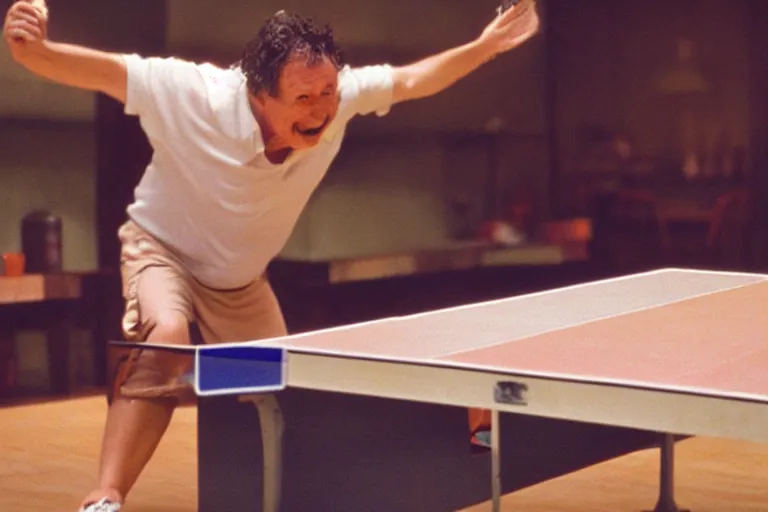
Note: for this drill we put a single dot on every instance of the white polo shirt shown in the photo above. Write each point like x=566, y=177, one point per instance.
x=209, y=191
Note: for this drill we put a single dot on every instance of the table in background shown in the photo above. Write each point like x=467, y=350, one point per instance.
x=317, y=292
x=57, y=303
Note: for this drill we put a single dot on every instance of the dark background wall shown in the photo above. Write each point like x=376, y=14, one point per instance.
x=599, y=66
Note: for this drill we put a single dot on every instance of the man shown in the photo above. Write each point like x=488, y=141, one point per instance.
x=236, y=155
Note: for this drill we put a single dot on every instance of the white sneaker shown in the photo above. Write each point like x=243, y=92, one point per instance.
x=102, y=505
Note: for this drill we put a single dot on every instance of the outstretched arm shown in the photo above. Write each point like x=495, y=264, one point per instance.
x=25, y=33
x=438, y=72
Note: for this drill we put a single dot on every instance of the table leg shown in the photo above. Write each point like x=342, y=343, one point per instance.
x=104, y=308
x=58, y=348
x=272, y=427
x=666, y=501
x=7, y=362
x=346, y=452
x=496, y=460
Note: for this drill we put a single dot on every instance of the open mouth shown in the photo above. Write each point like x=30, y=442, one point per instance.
x=311, y=132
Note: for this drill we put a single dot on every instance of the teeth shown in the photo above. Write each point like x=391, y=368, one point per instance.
x=311, y=131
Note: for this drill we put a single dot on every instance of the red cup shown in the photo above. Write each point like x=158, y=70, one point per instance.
x=14, y=264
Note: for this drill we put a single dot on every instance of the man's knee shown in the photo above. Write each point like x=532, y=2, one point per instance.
x=168, y=329
x=158, y=373
x=171, y=328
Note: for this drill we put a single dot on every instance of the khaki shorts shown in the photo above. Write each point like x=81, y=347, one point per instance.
x=156, y=286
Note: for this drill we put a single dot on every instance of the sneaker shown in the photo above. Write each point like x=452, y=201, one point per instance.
x=103, y=505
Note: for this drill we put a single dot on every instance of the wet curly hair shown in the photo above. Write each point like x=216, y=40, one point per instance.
x=282, y=37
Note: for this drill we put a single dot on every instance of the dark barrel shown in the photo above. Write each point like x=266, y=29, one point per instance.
x=41, y=242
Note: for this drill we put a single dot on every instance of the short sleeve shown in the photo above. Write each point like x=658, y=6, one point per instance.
x=138, y=70
x=162, y=91
x=368, y=89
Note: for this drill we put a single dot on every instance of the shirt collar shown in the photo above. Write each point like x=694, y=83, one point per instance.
x=229, y=100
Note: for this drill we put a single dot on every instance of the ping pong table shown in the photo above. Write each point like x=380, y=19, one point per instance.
x=373, y=416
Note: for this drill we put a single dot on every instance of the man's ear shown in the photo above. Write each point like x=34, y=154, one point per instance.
x=257, y=100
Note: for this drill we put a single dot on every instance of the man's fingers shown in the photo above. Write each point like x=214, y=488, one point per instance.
x=29, y=18
x=31, y=32
x=22, y=8
x=24, y=22
x=41, y=7
x=517, y=11
x=39, y=4
x=23, y=30
x=27, y=8
x=523, y=21
x=17, y=35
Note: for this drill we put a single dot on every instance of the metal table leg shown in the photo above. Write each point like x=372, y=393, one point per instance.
x=272, y=427
x=495, y=461
x=666, y=501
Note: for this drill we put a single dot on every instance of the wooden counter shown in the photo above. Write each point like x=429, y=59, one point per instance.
x=39, y=288
x=319, y=270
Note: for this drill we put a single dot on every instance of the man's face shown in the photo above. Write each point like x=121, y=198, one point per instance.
x=306, y=103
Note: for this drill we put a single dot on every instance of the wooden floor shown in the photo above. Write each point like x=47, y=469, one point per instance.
x=48, y=458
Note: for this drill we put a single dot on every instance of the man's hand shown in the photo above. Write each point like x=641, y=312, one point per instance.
x=436, y=73
x=26, y=27
x=511, y=29
x=26, y=32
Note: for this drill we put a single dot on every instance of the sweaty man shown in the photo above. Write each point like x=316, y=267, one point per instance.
x=237, y=153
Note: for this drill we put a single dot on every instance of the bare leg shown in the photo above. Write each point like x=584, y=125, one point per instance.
x=134, y=429
x=135, y=426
